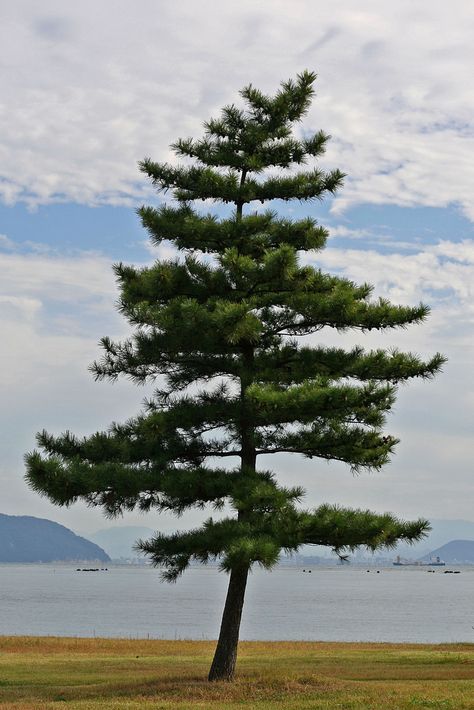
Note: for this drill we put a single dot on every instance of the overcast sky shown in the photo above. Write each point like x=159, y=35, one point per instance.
x=90, y=88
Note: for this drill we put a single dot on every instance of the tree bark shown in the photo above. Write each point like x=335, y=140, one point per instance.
x=225, y=657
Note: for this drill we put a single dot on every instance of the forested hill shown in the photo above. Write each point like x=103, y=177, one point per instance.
x=27, y=539
x=455, y=552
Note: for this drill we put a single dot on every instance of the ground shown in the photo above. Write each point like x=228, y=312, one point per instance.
x=93, y=674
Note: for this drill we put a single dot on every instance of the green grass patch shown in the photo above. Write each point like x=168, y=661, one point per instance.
x=98, y=674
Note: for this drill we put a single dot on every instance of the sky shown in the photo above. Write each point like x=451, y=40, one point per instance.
x=91, y=88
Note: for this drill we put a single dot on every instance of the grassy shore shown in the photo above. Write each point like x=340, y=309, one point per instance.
x=93, y=674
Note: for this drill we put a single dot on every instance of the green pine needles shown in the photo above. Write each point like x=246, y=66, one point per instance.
x=223, y=329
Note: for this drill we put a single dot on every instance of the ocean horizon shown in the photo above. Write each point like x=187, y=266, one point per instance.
x=336, y=603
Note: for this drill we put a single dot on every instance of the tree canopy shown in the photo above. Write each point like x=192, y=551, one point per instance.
x=224, y=330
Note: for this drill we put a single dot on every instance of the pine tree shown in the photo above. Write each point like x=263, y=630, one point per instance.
x=221, y=327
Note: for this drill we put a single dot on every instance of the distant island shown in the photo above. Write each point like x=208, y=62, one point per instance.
x=459, y=552
x=24, y=538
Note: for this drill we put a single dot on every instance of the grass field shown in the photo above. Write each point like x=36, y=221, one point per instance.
x=88, y=674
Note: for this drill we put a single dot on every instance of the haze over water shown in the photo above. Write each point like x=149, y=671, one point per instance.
x=330, y=604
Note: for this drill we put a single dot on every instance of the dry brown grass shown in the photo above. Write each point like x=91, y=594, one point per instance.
x=94, y=674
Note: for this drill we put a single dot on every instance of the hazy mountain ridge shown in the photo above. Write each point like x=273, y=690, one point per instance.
x=455, y=552
x=30, y=539
x=442, y=533
x=119, y=542
x=24, y=538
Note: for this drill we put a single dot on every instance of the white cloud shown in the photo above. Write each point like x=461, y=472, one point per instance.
x=96, y=86
x=20, y=307
x=165, y=251
x=458, y=251
x=53, y=310
x=6, y=242
x=341, y=230
x=442, y=274
x=49, y=307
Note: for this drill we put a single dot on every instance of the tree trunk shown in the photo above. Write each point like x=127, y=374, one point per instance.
x=225, y=657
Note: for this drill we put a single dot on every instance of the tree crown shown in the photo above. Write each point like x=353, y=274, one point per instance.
x=223, y=334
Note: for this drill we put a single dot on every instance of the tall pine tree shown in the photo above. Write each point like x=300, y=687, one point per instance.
x=222, y=326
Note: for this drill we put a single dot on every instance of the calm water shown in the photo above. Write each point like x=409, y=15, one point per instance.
x=337, y=604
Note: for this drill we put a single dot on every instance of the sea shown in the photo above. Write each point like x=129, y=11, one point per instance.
x=339, y=603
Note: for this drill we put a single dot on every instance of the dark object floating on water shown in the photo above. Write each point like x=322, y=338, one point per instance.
x=92, y=569
x=452, y=571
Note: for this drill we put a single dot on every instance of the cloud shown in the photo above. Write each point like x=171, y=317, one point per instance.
x=53, y=310
x=341, y=230
x=458, y=251
x=6, y=242
x=97, y=86
x=19, y=307
x=52, y=28
x=442, y=274
x=49, y=307
x=83, y=276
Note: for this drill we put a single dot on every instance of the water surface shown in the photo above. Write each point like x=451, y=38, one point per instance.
x=330, y=604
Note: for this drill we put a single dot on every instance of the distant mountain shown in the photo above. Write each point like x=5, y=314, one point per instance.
x=118, y=542
x=442, y=532
x=455, y=552
x=27, y=539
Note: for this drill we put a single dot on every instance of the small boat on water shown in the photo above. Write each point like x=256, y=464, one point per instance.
x=433, y=562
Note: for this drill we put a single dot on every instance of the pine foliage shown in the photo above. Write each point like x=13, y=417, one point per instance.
x=220, y=327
